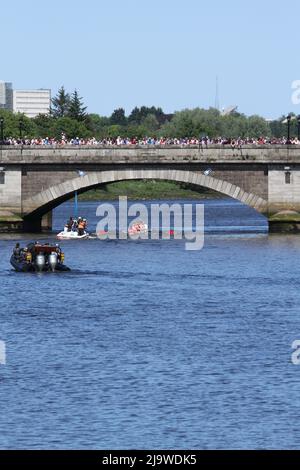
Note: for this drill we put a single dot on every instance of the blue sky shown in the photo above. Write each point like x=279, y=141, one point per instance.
x=123, y=53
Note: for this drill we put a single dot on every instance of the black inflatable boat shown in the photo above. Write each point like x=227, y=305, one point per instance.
x=36, y=257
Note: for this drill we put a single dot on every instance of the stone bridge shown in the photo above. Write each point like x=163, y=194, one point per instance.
x=34, y=180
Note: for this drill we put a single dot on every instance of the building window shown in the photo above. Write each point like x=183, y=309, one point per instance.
x=287, y=177
x=2, y=177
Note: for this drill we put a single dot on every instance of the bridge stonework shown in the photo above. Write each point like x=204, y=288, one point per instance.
x=34, y=180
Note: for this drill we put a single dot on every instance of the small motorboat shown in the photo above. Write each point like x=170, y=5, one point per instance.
x=72, y=235
x=75, y=229
x=37, y=257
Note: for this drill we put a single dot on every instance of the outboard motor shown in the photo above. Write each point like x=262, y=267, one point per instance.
x=40, y=262
x=52, y=261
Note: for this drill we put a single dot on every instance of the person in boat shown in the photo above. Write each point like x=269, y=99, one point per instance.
x=58, y=249
x=17, y=251
x=81, y=226
x=85, y=224
x=31, y=249
x=25, y=252
x=79, y=220
x=70, y=224
x=74, y=225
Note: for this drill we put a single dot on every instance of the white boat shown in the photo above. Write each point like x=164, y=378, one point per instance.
x=65, y=235
x=138, y=228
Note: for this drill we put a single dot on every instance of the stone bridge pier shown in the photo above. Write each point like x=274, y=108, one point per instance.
x=35, y=180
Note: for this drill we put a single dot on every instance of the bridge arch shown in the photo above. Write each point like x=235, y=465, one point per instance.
x=43, y=202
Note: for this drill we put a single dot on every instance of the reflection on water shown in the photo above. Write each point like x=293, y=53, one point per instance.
x=146, y=345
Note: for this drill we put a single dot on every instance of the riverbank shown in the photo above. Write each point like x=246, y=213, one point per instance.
x=285, y=222
x=148, y=190
x=10, y=222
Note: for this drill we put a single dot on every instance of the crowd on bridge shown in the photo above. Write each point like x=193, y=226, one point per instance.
x=202, y=142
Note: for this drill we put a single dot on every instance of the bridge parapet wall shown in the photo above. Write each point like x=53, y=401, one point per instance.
x=124, y=155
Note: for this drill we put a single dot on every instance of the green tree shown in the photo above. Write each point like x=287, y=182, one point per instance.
x=11, y=128
x=234, y=126
x=201, y=122
x=257, y=127
x=76, y=108
x=134, y=117
x=70, y=127
x=150, y=122
x=114, y=131
x=60, y=103
x=278, y=129
x=43, y=124
x=180, y=126
x=138, y=115
x=97, y=124
x=118, y=117
x=193, y=123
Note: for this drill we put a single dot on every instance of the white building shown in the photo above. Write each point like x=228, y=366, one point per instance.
x=6, y=95
x=32, y=102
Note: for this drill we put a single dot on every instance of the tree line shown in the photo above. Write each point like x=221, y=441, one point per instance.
x=69, y=116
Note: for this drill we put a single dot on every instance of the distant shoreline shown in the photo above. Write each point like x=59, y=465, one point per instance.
x=148, y=190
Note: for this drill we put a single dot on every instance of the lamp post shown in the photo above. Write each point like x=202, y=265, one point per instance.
x=288, y=118
x=298, y=120
x=20, y=128
x=2, y=130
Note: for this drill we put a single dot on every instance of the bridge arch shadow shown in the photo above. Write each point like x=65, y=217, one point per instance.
x=43, y=202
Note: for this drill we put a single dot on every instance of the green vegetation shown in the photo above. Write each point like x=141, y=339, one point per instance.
x=61, y=103
x=148, y=189
x=285, y=216
x=10, y=218
x=69, y=117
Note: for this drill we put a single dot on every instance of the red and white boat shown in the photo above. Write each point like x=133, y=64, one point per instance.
x=138, y=228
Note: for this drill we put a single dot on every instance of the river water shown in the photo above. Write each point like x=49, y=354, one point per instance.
x=146, y=345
